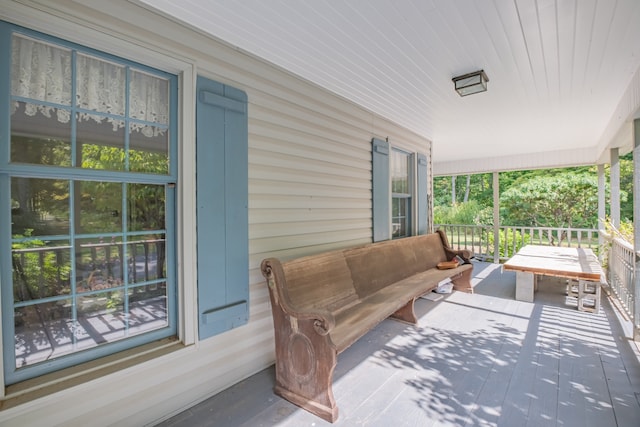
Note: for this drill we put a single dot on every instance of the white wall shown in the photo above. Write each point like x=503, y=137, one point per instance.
x=309, y=191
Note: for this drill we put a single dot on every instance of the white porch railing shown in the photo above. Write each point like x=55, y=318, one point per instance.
x=479, y=239
x=616, y=254
x=621, y=262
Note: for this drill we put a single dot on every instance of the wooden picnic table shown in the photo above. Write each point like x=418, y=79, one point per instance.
x=579, y=264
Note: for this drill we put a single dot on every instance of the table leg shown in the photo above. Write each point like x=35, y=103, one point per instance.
x=589, y=290
x=525, y=282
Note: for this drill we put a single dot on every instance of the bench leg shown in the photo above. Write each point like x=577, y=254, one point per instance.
x=462, y=283
x=305, y=362
x=406, y=313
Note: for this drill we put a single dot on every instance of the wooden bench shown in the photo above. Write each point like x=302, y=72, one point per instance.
x=322, y=304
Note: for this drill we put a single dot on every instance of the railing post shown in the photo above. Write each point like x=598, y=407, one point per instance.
x=615, y=187
x=636, y=228
x=496, y=217
x=601, y=210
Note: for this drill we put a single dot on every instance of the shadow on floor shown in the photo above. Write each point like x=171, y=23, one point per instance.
x=480, y=359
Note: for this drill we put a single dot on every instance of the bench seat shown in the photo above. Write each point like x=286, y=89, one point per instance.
x=366, y=314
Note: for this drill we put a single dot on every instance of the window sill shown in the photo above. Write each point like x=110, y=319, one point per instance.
x=26, y=391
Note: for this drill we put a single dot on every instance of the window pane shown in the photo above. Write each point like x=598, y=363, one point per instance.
x=43, y=332
x=40, y=71
x=148, y=98
x=100, y=207
x=98, y=265
x=147, y=258
x=100, y=85
x=40, y=135
x=145, y=203
x=101, y=142
x=41, y=270
x=147, y=308
x=39, y=207
x=100, y=318
x=148, y=149
x=400, y=219
x=399, y=172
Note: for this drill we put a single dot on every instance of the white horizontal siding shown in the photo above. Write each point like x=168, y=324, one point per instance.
x=277, y=215
x=309, y=191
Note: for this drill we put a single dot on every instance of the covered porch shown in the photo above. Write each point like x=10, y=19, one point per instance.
x=322, y=81
x=481, y=359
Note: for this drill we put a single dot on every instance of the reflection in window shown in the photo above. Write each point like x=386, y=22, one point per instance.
x=46, y=141
x=115, y=287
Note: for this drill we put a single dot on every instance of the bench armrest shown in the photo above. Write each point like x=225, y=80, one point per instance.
x=465, y=254
x=324, y=321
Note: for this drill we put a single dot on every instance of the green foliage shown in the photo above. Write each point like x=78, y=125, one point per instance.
x=41, y=273
x=625, y=230
x=508, y=240
x=481, y=189
x=96, y=156
x=562, y=197
x=461, y=213
x=114, y=302
x=565, y=199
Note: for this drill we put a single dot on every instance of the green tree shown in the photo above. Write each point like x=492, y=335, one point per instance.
x=471, y=212
x=566, y=199
x=474, y=187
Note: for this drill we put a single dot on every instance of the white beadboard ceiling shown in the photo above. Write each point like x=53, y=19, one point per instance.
x=561, y=89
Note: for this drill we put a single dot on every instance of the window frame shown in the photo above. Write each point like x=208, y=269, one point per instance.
x=9, y=170
x=407, y=197
x=381, y=189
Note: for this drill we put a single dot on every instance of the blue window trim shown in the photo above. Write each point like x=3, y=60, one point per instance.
x=8, y=170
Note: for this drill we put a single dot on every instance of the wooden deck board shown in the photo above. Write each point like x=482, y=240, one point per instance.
x=475, y=360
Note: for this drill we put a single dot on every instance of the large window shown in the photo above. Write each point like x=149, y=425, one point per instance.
x=401, y=190
x=87, y=182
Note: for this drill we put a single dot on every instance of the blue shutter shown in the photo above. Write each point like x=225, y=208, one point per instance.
x=422, y=194
x=381, y=190
x=222, y=200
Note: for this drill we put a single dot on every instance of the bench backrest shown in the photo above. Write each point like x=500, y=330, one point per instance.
x=376, y=266
x=320, y=281
x=335, y=280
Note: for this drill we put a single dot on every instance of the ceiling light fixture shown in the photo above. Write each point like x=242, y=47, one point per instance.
x=471, y=83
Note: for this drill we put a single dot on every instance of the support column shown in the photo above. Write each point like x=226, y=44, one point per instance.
x=615, y=188
x=602, y=213
x=453, y=190
x=636, y=228
x=496, y=217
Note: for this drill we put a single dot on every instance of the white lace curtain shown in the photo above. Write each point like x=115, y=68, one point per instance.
x=42, y=72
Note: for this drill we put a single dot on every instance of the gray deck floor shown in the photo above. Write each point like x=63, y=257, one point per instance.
x=473, y=360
